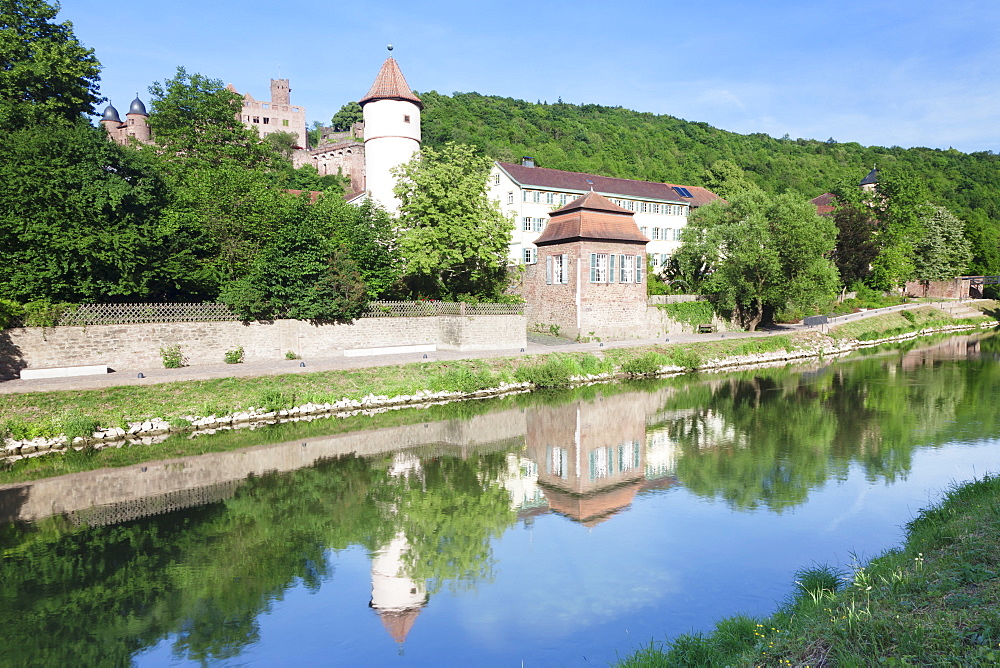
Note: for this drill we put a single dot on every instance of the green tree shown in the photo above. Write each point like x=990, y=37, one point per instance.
x=282, y=143
x=78, y=215
x=725, y=179
x=347, y=116
x=767, y=253
x=943, y=251
x=900, y=203
x=452, y=237
x=195, y=124
x=45, y=72
x=856, y=247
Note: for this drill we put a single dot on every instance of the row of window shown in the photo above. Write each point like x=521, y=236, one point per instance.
x=529, y=224
x=562, y=199
x=266, y=121
x=603, y=270
x=604, y=267
x=662, y=233
x=265, y=105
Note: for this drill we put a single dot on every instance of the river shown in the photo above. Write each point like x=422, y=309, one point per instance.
x=557, y=528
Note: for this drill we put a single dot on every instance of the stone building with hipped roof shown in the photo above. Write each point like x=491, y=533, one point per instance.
x=590, y=277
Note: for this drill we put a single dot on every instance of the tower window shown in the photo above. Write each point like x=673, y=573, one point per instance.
x=284, y=123
x=406, y=118
x=266, y=105
x=256, y=119
x=266, y=119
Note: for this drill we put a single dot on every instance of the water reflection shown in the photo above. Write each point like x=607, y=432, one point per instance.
x=100, y=566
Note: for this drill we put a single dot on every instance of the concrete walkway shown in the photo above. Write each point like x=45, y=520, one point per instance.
x=536, y=346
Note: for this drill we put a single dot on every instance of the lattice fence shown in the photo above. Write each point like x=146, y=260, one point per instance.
x=419, y=309
x=135, y=314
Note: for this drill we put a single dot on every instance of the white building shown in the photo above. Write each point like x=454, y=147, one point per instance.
x=661, y=209
x=392, y=131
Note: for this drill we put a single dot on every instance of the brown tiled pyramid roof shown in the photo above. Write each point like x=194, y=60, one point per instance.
x=390, y=84
x=825, y=204
x=557, y=179
x=591, y=217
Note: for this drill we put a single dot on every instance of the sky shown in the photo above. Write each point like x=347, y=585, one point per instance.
x=877, y=72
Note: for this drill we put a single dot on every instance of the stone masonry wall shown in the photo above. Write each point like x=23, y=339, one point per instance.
x=606, y=310
x=125, y=347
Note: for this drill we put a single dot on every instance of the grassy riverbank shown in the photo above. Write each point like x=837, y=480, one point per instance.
x=933, y=601
x=82, y=412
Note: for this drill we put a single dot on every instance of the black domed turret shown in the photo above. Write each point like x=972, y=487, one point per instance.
x=111, y=114
x=137, y=107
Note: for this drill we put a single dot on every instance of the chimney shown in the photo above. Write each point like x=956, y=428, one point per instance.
x=527, y=161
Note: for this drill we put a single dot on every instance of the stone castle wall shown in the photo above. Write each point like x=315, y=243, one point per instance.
x=135, y=347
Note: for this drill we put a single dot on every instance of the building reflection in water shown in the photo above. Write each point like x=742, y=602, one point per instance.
x=396, y=597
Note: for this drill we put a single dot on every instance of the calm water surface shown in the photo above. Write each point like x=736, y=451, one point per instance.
x=551, y=529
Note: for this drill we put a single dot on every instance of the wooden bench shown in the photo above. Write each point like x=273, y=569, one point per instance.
x=706, y=329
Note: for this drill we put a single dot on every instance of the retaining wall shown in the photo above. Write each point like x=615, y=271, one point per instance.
x=126, y=347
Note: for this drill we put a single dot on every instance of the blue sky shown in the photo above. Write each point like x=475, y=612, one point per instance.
x=884, y=72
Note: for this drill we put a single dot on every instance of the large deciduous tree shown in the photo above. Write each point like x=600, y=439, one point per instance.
x=943, y=252
x=767, y=253
x=347, y=116
x=77, y=215
x=452, y=237
x=45, y=72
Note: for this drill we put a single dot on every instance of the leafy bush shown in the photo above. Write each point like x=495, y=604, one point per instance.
x=234, y=356
x=555, y=371
x=690, y=313
x=646, y=365
x=11, y=313
x=172, y=356
x=685, y=358
x=44, y=313
x=275, y=400
x=290, y=355
x=73, y=424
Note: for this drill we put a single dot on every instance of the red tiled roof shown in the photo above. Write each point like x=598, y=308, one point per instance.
x=591, y=217
x=557, y=179
x=390, y=84
x=825, y=203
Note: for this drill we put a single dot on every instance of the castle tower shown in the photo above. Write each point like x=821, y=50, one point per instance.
x=392, y=131
x=280, y=91
x=112, y=122
x=137, y=122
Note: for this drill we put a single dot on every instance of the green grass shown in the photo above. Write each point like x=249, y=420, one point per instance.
x=897, y=323
x=933, y=601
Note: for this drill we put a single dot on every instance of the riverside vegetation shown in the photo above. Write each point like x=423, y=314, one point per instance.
x=80, y=413
x=933, y=601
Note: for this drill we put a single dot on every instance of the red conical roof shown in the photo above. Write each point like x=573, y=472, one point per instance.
x=390, y=84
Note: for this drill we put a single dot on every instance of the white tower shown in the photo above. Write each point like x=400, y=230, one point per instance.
x=392, y=131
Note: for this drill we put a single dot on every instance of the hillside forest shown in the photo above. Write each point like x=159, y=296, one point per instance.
x=210, y=212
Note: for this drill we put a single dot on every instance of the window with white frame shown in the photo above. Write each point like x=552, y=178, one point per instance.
x=656, y=233
x=656, y=208
x=526, y=223
x=550, y=198
x=530, y=255
x=557, y=269
x=510, y=197
x=563, y=199
x=645, y=231
x=536, y=197
x=526, y=196
x=630, y=205
x=627, y=269
x=643, y=207
x=598, y=267
x=638, y=268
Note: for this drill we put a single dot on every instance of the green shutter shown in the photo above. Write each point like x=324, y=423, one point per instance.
x=611, y=268
x=593, y=267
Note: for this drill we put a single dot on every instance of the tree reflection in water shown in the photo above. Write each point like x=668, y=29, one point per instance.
x=428, y=516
